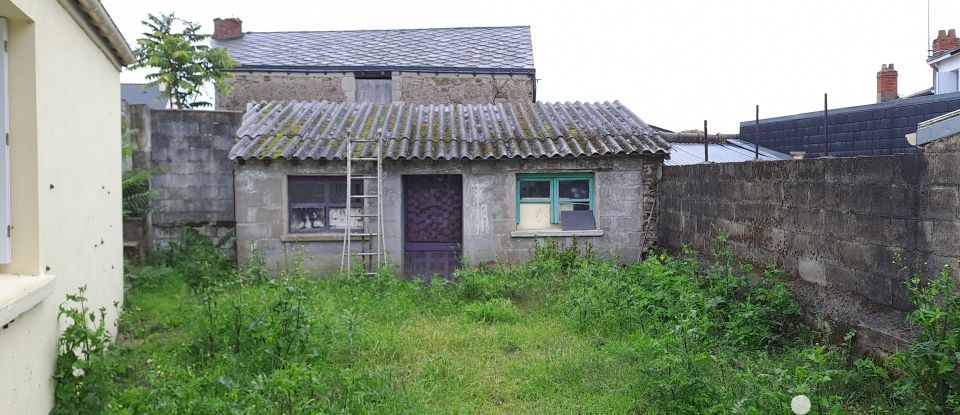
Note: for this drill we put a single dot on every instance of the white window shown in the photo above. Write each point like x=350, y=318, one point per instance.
x=4, y=151
x=947, y=81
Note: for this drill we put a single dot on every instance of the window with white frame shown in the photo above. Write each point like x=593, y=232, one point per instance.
x=317, y=204
x=546, y=201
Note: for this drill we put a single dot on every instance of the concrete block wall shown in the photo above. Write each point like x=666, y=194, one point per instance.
x=409, y=87
x=837, y=223
x=489, y=197
x=196, y=182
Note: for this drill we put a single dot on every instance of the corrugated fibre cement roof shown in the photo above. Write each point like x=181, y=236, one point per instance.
x=320, y=130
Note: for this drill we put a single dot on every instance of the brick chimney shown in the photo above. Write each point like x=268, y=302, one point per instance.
x=946, y=41
x=887, y=83
x=229, y=28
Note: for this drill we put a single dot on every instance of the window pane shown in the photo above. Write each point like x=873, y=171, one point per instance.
x=535, y=216
x=534, y=189
x=338, y=193
x=306, y=219
x=306, y=190
x=574, y=189
x=338, y=218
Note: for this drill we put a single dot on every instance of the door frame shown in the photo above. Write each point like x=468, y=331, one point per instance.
x=403, y=216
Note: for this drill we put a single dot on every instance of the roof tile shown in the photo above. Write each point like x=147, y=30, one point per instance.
x=479, y=49
x=318, y=130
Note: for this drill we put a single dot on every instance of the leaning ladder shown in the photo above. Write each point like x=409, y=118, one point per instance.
x=368, y=249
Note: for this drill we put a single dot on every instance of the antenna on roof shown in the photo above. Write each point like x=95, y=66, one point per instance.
x=928, y=46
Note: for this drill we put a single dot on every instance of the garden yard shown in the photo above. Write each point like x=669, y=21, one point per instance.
x=569, y=331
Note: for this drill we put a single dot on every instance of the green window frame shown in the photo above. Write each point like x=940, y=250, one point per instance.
x=555, y=200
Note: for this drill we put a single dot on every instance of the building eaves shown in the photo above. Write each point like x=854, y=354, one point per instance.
x=296, y=130
x=942, y=55
x=99, y=26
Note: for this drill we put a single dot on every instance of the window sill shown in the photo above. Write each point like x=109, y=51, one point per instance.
x=531, y=233
x=18, y=294
x=316, y=237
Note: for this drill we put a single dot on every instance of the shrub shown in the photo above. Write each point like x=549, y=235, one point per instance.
x=200, y=262
x=931, y=365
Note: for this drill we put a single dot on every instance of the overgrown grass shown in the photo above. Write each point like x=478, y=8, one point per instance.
x=566, y=332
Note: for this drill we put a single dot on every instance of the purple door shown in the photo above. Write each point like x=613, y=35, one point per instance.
x=432, y=224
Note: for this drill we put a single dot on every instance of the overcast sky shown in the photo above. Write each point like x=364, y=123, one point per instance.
x=673, y=62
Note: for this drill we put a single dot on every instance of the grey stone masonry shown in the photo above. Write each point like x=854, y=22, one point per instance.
x=489, y=208
x=836, y=223
x=196, y=178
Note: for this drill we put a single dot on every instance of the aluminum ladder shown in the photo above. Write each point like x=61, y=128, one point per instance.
x=367, y=249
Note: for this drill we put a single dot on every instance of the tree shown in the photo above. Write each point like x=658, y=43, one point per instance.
x=182, y=63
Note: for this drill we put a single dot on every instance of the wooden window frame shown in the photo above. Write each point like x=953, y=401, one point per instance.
x=327, y=182
x=555, y=200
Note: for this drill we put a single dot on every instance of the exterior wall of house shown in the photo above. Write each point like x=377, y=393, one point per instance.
x=65, y=184
x=947, y=75
x=489, y=209
x=410, y=87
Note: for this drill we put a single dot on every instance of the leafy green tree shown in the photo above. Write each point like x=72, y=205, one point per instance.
x=182, y=63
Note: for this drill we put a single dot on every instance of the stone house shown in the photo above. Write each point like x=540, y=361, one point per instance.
x=472, y=182
x=60, y=192
x=448, y=65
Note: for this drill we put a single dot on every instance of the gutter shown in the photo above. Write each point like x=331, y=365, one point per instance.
x=435, y=69
x=96, y=22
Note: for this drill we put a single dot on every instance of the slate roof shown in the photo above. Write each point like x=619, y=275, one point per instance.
x=865, y=130
x=317, y=130
x=468, y=49
x=729, y=151
x=136, y=94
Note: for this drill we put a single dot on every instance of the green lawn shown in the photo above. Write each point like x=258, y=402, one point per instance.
x=564, y=333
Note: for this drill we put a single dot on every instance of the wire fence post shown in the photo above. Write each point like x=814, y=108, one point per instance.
x=706, y=151
x=756, y=135
x=826, y=128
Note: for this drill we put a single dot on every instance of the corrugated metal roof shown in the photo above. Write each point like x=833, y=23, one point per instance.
x=476, y=49
x=318, y=130
x=730, y=151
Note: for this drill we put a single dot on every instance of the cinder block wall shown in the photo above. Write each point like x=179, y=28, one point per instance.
x=489, y=209
x=836, y=222
x=409, y=87
x=196, y=183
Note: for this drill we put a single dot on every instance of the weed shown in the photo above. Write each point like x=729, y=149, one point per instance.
x=931, y=365
x=84, y=368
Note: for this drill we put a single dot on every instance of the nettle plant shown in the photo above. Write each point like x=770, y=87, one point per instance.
x=84, y=369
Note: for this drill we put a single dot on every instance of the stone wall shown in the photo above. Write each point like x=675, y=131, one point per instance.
x=410, y=87
x=489, y=195
x=196, y=182
x=836, y=223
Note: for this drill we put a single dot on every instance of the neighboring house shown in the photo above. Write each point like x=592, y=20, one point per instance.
x=449, y=65
x=136, y=94
x=874, y=129
x=945, y=62
x=460, y=182
x=60, y=190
